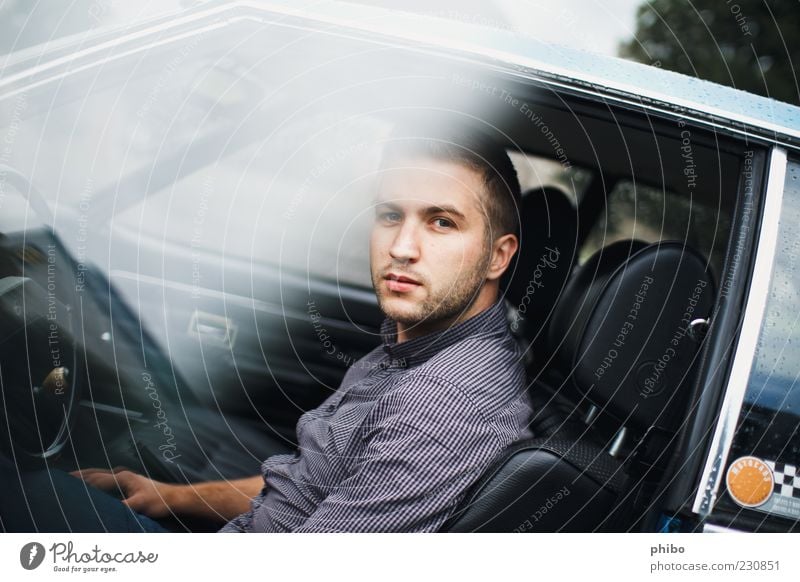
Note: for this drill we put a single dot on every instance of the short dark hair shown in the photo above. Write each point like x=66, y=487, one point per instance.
x=474, y=149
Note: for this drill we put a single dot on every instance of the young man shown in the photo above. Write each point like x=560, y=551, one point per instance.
x=417, y=421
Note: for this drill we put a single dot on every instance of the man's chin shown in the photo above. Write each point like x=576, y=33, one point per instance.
x=413, y=315
x=401, y=309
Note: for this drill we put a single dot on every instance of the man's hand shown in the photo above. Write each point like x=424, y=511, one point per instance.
x=152, y=498
x=216, y=500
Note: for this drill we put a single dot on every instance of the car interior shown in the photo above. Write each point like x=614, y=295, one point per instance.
x=174, y=348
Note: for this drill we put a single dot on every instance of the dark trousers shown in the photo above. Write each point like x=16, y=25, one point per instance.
x=54, y=501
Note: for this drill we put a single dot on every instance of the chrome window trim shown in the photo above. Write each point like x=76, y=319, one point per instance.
x=708, y=487
x=713, y=528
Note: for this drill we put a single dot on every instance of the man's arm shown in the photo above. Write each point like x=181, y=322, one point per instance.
x=217, y=500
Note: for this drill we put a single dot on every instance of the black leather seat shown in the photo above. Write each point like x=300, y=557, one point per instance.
x=620, y=334
x=541, y=269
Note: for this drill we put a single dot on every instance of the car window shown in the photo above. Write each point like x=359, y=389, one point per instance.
x=636, y=211
x=536, y=172
x=246, y=154
x=770, y=416
x=299, y=200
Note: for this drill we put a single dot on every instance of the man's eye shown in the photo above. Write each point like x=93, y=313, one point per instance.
x=389, y=216
x=443, y=222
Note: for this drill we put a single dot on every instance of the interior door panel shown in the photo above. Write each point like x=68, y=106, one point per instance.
x=250, y=340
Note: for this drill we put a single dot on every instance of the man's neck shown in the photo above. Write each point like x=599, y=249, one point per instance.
x=486, y=298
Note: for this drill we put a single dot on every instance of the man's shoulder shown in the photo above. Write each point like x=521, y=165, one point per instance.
x=487, y=371
x=475, y=385
x=475, y=358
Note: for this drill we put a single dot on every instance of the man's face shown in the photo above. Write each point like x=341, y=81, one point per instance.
x=428, y=250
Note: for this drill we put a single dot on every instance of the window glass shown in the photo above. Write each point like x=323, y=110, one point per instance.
x=637, y=211
x=252, y=152
x=536, y=172
x=299, y=201
x=770, y=418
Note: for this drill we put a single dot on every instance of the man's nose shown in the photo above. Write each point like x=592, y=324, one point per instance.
x=405, y=246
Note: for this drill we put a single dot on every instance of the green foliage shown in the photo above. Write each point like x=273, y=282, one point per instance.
x=748, y=44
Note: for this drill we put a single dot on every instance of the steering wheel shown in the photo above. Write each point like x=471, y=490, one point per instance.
x=38, y=365
x=39, y=391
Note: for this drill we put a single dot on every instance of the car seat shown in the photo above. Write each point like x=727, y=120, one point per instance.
x=621, y=333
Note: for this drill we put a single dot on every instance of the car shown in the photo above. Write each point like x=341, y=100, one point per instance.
x=184, y=267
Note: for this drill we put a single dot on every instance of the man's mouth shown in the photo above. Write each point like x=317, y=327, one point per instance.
x=400, y=283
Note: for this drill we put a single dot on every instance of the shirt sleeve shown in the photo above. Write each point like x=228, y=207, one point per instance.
x=424, y=446
x=243, y=523
x=239, y=524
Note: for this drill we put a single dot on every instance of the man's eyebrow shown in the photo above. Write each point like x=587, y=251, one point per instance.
x=446, y=208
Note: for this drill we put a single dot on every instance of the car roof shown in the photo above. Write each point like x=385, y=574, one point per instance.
x=614, y=77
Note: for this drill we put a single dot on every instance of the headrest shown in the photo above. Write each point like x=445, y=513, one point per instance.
x=622, y=329
x=541, y=267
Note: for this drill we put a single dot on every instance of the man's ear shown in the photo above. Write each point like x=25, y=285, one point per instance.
x=503, y=250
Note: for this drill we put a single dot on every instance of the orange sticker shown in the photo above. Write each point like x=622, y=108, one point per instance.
x=750, y=481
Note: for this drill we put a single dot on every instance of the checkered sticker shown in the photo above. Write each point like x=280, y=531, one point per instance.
x=787, y=479
x=785, y=499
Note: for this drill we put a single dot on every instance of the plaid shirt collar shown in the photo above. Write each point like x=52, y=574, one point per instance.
x=490, y=322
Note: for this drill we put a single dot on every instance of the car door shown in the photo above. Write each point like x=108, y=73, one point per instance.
x=750, y=478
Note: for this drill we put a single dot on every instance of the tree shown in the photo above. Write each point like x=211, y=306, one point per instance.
x=748, y=44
